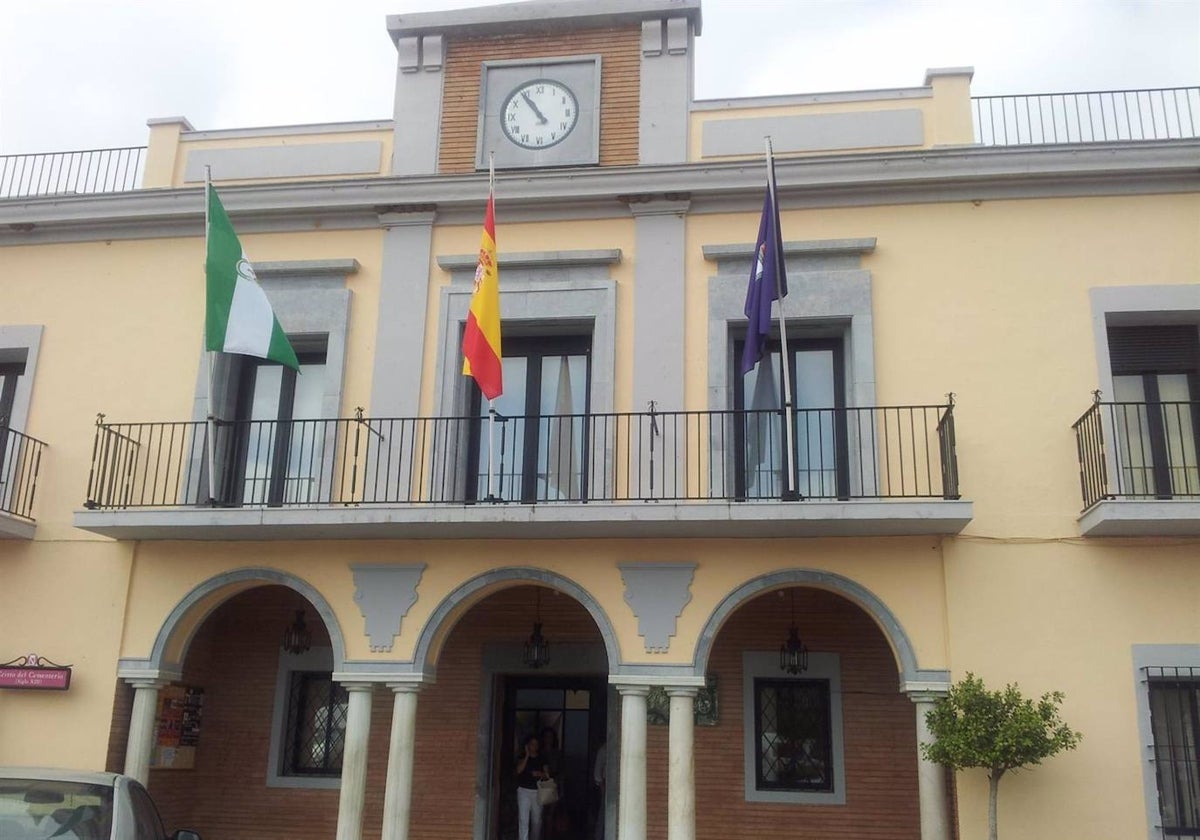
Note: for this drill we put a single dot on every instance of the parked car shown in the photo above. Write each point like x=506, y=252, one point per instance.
x=38, y=803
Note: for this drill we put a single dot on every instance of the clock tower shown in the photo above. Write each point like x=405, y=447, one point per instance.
x=545, y=83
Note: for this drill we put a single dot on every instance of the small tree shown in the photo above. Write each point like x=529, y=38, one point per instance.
x=996, y=730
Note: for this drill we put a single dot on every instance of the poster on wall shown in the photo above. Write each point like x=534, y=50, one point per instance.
x=177, y=728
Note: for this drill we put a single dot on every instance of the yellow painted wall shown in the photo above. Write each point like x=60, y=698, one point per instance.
x=987, y=299
x=64, y=601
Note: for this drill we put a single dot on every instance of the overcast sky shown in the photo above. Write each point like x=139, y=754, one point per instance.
x=77, y=74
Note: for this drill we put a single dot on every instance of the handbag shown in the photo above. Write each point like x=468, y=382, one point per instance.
x=547, y=792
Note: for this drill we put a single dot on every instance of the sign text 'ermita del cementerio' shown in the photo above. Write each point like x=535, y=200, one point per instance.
x=35, y=672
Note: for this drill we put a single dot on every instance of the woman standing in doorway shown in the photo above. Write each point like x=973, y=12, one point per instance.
x=552, y=758
x=531, y=768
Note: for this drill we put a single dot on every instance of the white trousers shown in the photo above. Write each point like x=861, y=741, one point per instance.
x=529, y=814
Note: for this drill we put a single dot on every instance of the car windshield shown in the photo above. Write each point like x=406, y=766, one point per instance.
x=39, y=809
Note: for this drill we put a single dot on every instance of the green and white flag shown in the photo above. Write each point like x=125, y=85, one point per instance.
x=238, y=318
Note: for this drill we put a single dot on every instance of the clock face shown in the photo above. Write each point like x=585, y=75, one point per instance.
x=539, y=114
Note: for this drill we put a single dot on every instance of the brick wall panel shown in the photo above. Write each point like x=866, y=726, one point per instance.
x=620, y=51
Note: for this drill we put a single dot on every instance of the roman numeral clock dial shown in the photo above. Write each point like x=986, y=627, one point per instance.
x=539, y=114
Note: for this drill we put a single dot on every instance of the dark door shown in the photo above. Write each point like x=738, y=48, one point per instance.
x=540, y=435
x=817, y=370
x=574, y=709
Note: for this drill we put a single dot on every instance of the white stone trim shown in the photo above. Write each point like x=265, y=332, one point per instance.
x=316, y=659
x=1151, y=656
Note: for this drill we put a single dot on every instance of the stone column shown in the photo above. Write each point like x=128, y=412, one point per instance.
x=354, y=761
x=681, y=775
x=397, y=797
x=631, y=806
x=931, y=777
x=141, y=728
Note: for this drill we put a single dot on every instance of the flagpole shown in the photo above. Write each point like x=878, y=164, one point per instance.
x=789, y=416
x=491, y=496
x=212, y=408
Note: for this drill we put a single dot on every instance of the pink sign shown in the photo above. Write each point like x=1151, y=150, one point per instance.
x=34, y=672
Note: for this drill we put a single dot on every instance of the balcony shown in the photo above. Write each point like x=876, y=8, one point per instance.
x=1087, y=117
x=20, y=462
x=877, y=471
x=1138, y=469
x=72, y=173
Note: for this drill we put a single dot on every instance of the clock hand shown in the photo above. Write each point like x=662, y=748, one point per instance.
x=541, y=117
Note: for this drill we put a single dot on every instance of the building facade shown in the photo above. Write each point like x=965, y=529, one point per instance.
x=993, y=336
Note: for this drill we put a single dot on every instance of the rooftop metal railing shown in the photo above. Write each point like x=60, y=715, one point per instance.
x=1138, y=450
x=1087, y=117
x=20, y=462
x=845, y=453
x=71, y=173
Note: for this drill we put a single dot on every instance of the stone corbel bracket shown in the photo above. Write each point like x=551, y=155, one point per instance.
x=384, y=594
x=657, y=594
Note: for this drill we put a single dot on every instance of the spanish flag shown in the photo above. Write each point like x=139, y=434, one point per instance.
x=481, y=338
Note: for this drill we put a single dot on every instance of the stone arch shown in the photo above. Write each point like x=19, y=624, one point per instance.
x=856, y=593
x=179, y=627
x=470, y=593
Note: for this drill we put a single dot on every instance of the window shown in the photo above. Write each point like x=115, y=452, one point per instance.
x=308, y=722
x=792, y=735
x=817, y=373
x=145, y=816
x=10, y=444
x=1156, y=391
x=540, y=437
x=273, y=446
x=794, y=749
x=1175, y=726
x=315, y=737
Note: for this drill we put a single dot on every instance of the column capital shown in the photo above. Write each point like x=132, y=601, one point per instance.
x=357, y=685
x=629, y=690
x=409, y=687
x=682, y=691
x=920, y=691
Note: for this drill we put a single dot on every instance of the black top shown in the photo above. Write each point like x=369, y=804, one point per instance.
x=525, y=778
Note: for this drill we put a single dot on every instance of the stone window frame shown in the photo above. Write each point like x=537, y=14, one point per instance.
x=828, y=277
x=821, y=666
x=311, y=301
x=1132, y=306
x=1144, y=657
x=567, y=290
x=21, y=343
x=315, y=659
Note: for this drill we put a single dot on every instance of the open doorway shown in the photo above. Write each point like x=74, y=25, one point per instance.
x=569, y=710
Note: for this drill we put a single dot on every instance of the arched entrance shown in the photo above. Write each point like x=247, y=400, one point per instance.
x=489, y=695
x=249, y=734
x=826, y=748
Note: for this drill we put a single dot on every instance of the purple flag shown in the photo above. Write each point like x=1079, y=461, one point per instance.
x=768, y=282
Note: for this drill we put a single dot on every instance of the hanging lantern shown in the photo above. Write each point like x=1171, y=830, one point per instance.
x=296, y=638
x=537, y=649
x=793, y=654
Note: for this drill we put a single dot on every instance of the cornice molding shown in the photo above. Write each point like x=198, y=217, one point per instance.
x=966, y=173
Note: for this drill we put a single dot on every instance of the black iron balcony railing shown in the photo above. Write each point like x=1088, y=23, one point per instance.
x=67, y=173
x=20, y=462
x=849, y=453
x=1138, y=450
x=1087, y=117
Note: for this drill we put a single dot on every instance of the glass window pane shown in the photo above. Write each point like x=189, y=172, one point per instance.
x=794, y=735
x=307, y=444
x=1179, y=431
x=763, y=430
x=1173, y=720
x=561, y=432
x=1133, y=435
x=509, y=434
